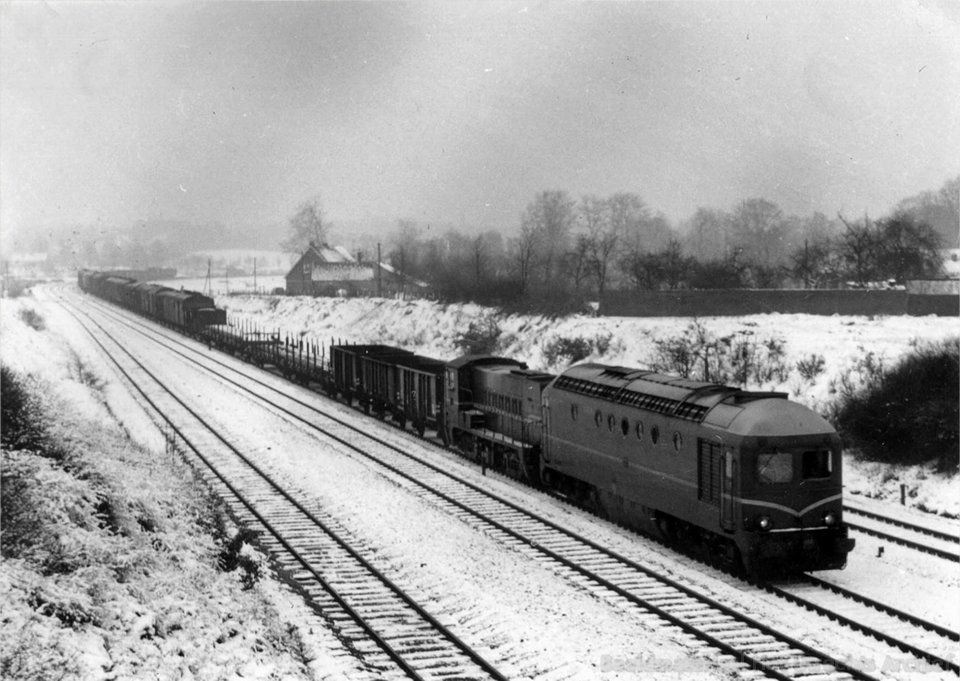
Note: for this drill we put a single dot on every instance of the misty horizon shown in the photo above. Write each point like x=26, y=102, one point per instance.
x=457, y=115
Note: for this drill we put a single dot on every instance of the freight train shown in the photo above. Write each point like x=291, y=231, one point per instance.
x=187, y=310
x=748, y=480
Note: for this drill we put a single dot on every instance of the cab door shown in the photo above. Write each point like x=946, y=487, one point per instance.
x=728, y=474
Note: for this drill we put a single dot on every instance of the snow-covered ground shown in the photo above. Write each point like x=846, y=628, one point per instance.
x=844, y=342
x=431, y=329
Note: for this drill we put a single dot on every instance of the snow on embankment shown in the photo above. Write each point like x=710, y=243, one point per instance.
x=110, y=563
x=432, y=329
x=844, y=342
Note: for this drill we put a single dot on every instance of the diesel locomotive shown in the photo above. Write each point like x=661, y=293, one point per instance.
x=747, y=479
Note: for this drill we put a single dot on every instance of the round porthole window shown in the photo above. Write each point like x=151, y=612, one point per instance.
x=574, y=412
x=598, y=418
x=624, y=426
x=639, y=430
x=611, y=422
x=655, y=434
x=677, y=441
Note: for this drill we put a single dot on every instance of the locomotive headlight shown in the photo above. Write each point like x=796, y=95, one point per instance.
x=764, y=523
x=829, y=518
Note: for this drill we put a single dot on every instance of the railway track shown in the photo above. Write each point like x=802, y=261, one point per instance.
x=751, y=642
x=910, y=535
x=374, y=618
x=932, y=643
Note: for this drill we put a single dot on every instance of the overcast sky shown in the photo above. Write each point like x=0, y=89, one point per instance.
x=462, y=111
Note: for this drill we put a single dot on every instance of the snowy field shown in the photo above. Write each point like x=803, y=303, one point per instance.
x=843, y=341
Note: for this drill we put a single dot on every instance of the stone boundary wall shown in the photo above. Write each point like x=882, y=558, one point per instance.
x=737, y=302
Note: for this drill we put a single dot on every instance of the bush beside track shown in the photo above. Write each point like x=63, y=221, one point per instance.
x=907, y=414
x=106, y=575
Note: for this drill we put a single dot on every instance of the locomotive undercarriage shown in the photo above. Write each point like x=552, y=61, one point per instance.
x=707, y=546
x=498, y=455
x=687, y=538
x=382, y=410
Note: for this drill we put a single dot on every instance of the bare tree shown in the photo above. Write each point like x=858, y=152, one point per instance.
x=940, y=210
x=523, y=250
x=549, y=220
x=760, y=231
x=404, y=254
x=908, y=249
x=858, y=247
x=578, y=262
x=812, y=263
x=606, y=222
x=708, y=234
x=307, y=226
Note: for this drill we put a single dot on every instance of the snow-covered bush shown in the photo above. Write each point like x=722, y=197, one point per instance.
x=110, y=560
x=570, y=350
x=907, y=414
x=481, y=337
x=32, y=318
x=740, y=357
x=21, y=419
x=811, y=367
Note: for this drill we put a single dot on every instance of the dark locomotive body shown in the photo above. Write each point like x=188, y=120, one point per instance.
x=745, y=477
x=492, y=412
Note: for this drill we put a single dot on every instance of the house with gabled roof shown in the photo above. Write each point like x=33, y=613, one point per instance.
x=333, y=271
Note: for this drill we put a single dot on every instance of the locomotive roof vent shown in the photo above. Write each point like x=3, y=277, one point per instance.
x=744, y=396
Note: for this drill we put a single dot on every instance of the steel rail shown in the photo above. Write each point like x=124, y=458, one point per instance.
x=367, y=628
x=902, y=541
x=932, y=658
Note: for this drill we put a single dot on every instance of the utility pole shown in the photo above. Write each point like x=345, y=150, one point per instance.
x=207, y=286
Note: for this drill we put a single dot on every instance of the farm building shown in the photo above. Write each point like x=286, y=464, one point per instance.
x=332, y=271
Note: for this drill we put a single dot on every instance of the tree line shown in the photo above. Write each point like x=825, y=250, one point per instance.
x=577, y=249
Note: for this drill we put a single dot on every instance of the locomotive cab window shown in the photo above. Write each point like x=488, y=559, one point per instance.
x=775, y=467
x=817, y=464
